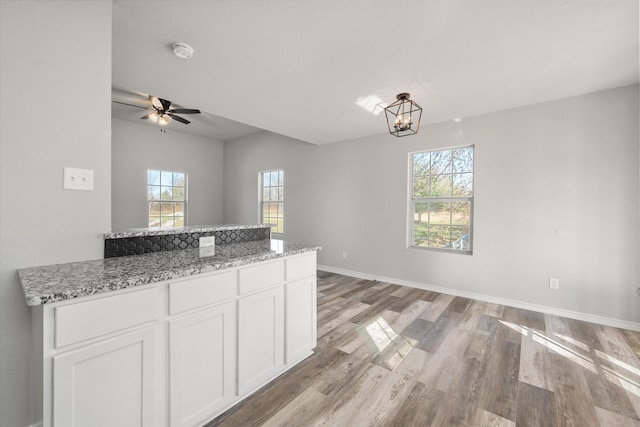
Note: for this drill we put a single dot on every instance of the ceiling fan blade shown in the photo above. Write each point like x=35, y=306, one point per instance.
x=178, y=118
x=184, y=111
x=131, y=105
x=165, y=104
x=148, y=116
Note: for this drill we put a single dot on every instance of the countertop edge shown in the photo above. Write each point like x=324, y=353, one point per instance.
x=34, y=300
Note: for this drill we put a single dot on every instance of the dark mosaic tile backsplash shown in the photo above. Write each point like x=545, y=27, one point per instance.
x=171, y=242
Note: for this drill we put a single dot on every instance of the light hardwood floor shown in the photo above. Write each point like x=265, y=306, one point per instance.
x=390, y=355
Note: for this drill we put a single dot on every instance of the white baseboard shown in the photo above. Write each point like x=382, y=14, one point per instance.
x=601, y=320
x=38, y=424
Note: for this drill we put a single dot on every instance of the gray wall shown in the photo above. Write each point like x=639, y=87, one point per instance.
x=55, y=111
x=137, y=147
x=556, y=194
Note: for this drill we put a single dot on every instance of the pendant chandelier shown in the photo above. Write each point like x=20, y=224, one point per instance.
x=403, y=116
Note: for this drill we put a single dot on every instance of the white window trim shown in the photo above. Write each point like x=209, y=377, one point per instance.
x=261, y=201
x=411, y=201
x=185, y=202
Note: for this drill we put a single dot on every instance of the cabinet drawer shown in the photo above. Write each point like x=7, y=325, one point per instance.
x=301, y=266
x=84, y=320
x=201, y=291
x=260, y=276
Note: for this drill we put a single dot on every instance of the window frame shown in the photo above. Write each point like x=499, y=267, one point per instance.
x=174, y=202
x=411, y=202
x=261, y=200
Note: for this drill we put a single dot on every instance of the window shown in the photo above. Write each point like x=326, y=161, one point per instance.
x=167, y=197
x=442, y=199
x=272, y=199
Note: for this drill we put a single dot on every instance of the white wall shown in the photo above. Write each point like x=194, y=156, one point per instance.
x=55, y=111
x=569, y=165
x=137, y=147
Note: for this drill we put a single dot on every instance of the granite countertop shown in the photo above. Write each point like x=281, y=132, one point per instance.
x=138, y=232
x=51, y=283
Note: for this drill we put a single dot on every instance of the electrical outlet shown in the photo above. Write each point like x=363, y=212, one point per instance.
x=206, y=242
x=554, y=283
x=207, y=251
x=344, y=254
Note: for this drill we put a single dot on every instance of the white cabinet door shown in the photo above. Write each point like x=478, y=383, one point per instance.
x=260, y=338
x=300, y=319
x=201, y=364
x=109, y=383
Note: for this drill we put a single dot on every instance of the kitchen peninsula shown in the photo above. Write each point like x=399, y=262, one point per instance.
x=173, y=336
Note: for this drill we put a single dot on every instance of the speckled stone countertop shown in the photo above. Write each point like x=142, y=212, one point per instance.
x=47, y=284
x=139, y=232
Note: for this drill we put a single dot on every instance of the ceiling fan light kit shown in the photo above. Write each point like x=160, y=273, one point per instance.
x=162, y=111
x=403, y=116
x=182, y=50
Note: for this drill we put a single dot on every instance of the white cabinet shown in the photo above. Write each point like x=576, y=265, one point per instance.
x=201, y=364
x=301, y=324
x=197, y=345
x=300, y=294
x=109, y=383
x=260, y=338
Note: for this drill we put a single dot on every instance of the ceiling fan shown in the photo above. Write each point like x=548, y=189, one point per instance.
x=162, y=111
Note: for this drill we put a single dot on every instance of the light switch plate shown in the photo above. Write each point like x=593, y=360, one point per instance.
x=78, y=179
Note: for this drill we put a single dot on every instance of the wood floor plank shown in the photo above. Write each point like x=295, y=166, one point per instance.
x=341, y=334
x=429, y=296
x=341, y=374
x=491, y=309
x=413, y=363
x=534, y=363
x=444, y=365
x=573, y=405
x=460, y=404
x=620, y=364
x=394, y=353
x=374, y=308
x=419, y=407
x=389, y=355
x=302, y=411
x=276, y=395
x=334, y=318
x=485, y=418
x=400, y=322
x=478, y=346
x=612, y=419
x=524, y=318
x=437, y=307
x=384, y=404
x=405, y=301
x=500, y=385
x=459, y=304
x=608, y=393
x=633, y=340
x=375, y=333
x=353, y=403
x=383, y=292
x=471, y=316
x=437, y=331
x=535, y=406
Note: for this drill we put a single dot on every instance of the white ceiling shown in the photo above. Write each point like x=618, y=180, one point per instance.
x=299, y=68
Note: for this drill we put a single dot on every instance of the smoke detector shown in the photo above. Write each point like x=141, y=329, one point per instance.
x=182, y=50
